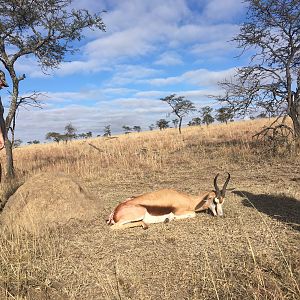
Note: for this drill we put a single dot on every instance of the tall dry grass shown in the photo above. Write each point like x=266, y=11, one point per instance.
x=246, y=255
x=130, y=153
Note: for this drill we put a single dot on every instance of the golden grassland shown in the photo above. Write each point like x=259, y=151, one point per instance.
x=251, y=253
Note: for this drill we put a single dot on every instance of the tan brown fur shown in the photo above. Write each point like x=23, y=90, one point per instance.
x=158, y=203
x=165, y=205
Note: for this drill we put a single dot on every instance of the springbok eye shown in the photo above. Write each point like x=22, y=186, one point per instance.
x=216, y=200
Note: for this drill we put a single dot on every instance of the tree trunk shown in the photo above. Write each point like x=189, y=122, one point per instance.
x=3, y=131
x=179, y=125
x=10, y=171
x=294, y=113
x=8, y=146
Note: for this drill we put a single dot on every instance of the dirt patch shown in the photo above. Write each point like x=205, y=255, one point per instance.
x=47, y=200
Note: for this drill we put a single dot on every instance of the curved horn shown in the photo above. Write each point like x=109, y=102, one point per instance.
x=225, y=186
x=216, y=186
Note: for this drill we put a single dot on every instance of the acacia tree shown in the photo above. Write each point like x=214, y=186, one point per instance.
x=137, y=128
x=127, y=129
x=181, y=107
x=151, y=127
x=55, y=136
x=224, y=114
x=175, y=122
x=206, y=116
x=272, y=79
x=107, y=130
x=70, y=132
x=162, y=124
x=43, y=29
x=195, y=122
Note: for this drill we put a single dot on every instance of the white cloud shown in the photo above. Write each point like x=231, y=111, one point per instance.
x=200, y=77
x=151, y=94
x=39, y=122
x=169, y=59
x=222, y=10
x=138, y=28
x=140, y=109
x=162, y=47
x=125, y=74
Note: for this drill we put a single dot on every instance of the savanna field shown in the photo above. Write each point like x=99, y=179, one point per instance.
x=251, y=253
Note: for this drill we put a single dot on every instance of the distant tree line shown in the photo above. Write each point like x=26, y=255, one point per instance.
x=180, y=107
x=69, y=134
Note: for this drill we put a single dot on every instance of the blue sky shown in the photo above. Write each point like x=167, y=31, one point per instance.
x=151, y=49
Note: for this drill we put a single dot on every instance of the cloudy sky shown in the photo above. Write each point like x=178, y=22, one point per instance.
x=151, y=49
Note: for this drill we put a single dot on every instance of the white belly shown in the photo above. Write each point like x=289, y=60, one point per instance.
x=158, y=219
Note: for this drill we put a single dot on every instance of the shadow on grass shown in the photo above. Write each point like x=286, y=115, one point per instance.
x=280, y=207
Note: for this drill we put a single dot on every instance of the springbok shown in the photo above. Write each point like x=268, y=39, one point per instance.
x=166, y=205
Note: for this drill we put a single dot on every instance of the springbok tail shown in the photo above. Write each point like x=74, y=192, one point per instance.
x=110, y=220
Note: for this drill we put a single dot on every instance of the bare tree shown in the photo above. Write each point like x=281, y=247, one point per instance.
x=43, y=29
x=181, y=107
x=271, y=82
x=31, y=100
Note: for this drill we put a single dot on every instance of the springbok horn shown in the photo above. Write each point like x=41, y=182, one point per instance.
x=216, y=186
x=225, y=186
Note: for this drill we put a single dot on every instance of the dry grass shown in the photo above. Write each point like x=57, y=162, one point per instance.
x=252, y=253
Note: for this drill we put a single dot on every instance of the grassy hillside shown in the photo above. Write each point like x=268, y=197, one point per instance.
x=251, y=253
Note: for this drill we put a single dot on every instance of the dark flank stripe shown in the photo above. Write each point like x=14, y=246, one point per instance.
x=158, y=210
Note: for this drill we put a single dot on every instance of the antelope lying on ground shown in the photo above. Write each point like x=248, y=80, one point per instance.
x=166, y=205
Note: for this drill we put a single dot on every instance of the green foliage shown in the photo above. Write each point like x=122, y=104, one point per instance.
x=70, y=132
x=45, y=29
x=17, y=143
x=207, y=118
x=55, y=136
x=107, y=130
x=181, y=107
x=224, y=114
x=151, y=127
x=162, y=124
x=127, y=129
x=137, y=128
x=85, y=135
x=195, y=122
x=175, y=122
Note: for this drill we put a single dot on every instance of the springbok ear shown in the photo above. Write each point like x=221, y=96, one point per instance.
x=202, y=202
x=206, y=198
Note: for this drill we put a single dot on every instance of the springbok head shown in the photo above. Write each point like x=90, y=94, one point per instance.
x=216, y=205
x=3, y=82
